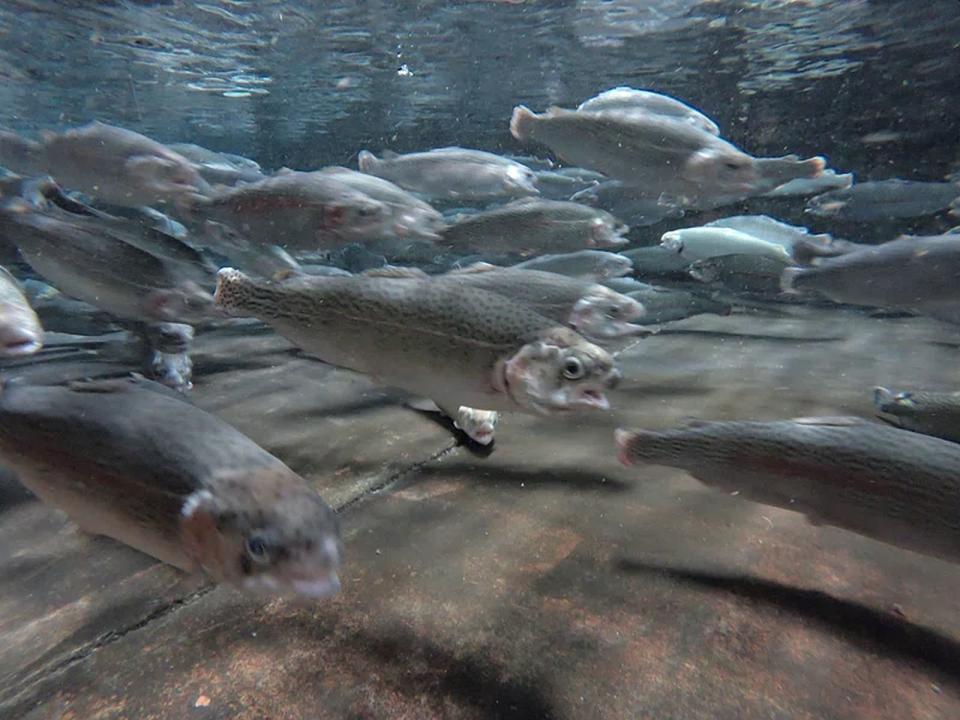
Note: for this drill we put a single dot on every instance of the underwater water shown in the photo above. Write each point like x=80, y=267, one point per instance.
x=562, y=359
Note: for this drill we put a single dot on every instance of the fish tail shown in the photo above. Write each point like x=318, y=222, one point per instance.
x=366, y=161
x=788, y=280
x=521, y=122
x=626, y=442
x=234, y=290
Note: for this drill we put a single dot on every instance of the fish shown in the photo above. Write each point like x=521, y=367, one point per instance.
x=532, y=226
x=120, y=166
x=83, y=259
x=828, y=180
x=554, y=185
x=410, y=217
x=632, y=204
x=219, y=168
x=59, y=313
x=771, y=230
x=20, y=330
x=124, y=459
x=664, y=305
x=657, y=261
x=930, y=413
x=868, y=201
x=895, y=486
x=298, y=211
x=916, y=274
x=453, y=173
x=168, y=354
x=628, y=100
x=455, y=345
x=699, y=243
x=741, y=273
x=595, y=311
x=649, y=151
x=478, y=425
x=588, y=264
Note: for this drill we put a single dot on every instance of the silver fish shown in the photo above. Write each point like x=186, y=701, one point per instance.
x=410, y=217
x=85, y=260
x=532, y=226
x=219, y=168
x=648, y=151
x=299, y=211
x=629, y=100
x=588, y=264
x=121, y=167
x=918, y=274
x=664, y=305
x=895, y=486
x=156, y=473
x=864, y=202
x=453, y=173
x=455, y=345
x=741, y=273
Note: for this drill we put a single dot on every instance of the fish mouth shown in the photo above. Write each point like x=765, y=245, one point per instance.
x=591, y=398
x=20, y=348
x=317, y=589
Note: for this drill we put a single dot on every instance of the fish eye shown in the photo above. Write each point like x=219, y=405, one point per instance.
x=257, y=548
x=613, y=311
x=730, y=165
x=573, y=369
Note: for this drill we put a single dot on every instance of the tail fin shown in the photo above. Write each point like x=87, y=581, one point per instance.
x=788, y=280
x=624, y=438
x=233, y=290
x=521, y=123
x=366, y=161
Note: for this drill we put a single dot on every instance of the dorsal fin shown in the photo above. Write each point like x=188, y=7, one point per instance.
x=388, y=155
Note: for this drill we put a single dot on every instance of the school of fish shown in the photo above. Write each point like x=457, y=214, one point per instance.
x=477, y=283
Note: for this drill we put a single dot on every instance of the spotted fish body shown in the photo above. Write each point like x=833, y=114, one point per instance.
x=898, y=487
x=457, y=346
x=592, y=309
x=128, y=460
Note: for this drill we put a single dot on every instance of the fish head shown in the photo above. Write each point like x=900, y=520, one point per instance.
x=672, y=241
x=725, y=170
x=705, y=270
x=357, y=213
x=19, y=338
x=520, y=180
x=186, y=302
x=478, y=425
x=559, y=372
x=603, y=313
x=264, y=535
x=168, y=177
x=607, y=231
x=891, y=403
x=612, y=265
